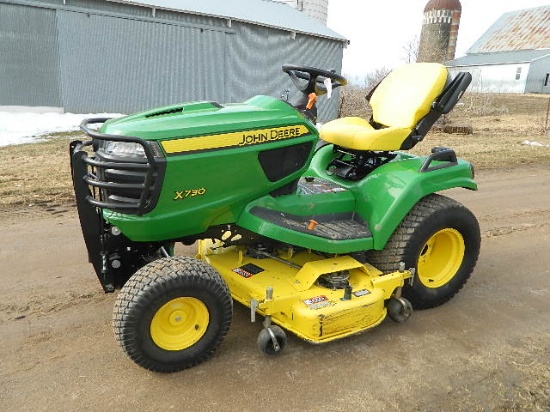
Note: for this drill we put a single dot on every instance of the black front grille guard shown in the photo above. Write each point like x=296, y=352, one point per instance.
x=90, y=191
x=152, y=169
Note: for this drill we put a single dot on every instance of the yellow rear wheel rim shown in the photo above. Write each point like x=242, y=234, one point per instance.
x=441, y=257
x=179, y=323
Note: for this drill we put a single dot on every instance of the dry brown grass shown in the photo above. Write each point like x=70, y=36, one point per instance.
x=39, y=174
x=36, y=175
x=522, y=385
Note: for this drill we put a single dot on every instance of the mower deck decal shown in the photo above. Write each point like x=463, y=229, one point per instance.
x=234, y=139
x=362, y=292
x=248, y=270
x=317, y=302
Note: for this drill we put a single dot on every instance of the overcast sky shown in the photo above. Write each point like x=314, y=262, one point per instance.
x=379, y=30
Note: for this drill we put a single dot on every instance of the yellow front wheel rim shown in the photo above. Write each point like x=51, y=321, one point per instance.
x=179, y=323
x=441, y=257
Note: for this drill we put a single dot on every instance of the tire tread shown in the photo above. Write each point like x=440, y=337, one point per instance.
x=400, y=243
x=156, y=277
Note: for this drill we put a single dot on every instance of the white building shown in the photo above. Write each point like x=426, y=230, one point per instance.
x=513, y=56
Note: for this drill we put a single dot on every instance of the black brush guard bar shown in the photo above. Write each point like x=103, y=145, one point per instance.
x=116, y=195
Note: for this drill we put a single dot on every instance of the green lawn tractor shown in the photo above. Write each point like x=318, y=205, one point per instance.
x=320, y=232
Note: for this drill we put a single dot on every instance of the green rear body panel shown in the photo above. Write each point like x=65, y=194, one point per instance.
x=387, y=194
x=382, y=199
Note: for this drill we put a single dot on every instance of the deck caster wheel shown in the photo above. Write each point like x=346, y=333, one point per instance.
x=399, y=309
x=271, y=340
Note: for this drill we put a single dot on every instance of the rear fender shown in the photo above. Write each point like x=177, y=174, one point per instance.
x=387, y=194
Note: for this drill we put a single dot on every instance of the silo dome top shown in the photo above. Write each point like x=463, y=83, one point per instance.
x=443, y=5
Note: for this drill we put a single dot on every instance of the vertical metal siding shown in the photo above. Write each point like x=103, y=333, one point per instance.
x=132, y=65
x=191, y=18
x=106, y=6
x=537, y=74
x=256, y=55
x=324, y=54
x=253, y=64
x=108, y=56
x=29, y=74
x=496, y=78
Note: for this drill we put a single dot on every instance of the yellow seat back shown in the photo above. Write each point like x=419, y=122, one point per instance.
x=405, y=96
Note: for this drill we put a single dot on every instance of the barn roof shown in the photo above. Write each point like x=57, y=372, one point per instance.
x=260, y=12
x=517, y=30
x=509, y=57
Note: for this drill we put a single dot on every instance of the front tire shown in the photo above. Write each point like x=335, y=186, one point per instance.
x=172, y=314
x=440, y=238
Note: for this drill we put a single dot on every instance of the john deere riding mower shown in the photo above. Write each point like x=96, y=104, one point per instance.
x=319, y=232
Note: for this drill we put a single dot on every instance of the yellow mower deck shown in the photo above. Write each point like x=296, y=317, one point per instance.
x=286, y=288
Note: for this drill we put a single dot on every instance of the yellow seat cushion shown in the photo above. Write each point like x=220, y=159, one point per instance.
x=357, y=134
x=400, y=101
x=406, y=95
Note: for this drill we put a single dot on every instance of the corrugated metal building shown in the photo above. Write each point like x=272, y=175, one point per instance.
x=121, y=56
x=513, y=56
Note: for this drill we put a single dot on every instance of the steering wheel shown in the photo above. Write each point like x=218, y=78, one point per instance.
x=314, y=78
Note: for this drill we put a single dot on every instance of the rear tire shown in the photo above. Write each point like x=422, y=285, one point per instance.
x=172, y=314
x=440, y=238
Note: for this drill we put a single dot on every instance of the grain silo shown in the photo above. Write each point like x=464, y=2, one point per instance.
x=439, y=31
x=317, y=9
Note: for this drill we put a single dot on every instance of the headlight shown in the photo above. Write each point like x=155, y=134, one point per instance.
x=123, y=149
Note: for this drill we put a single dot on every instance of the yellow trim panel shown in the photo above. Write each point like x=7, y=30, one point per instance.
x=233, y=139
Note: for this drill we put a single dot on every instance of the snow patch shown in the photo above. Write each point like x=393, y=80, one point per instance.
x=19, y=128
x=534, y=144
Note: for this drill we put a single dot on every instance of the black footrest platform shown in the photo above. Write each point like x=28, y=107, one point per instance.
x=334, y=226
x=311, y=186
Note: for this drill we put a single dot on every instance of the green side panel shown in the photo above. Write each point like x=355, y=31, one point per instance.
x=205, y=188
x=388, y=193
